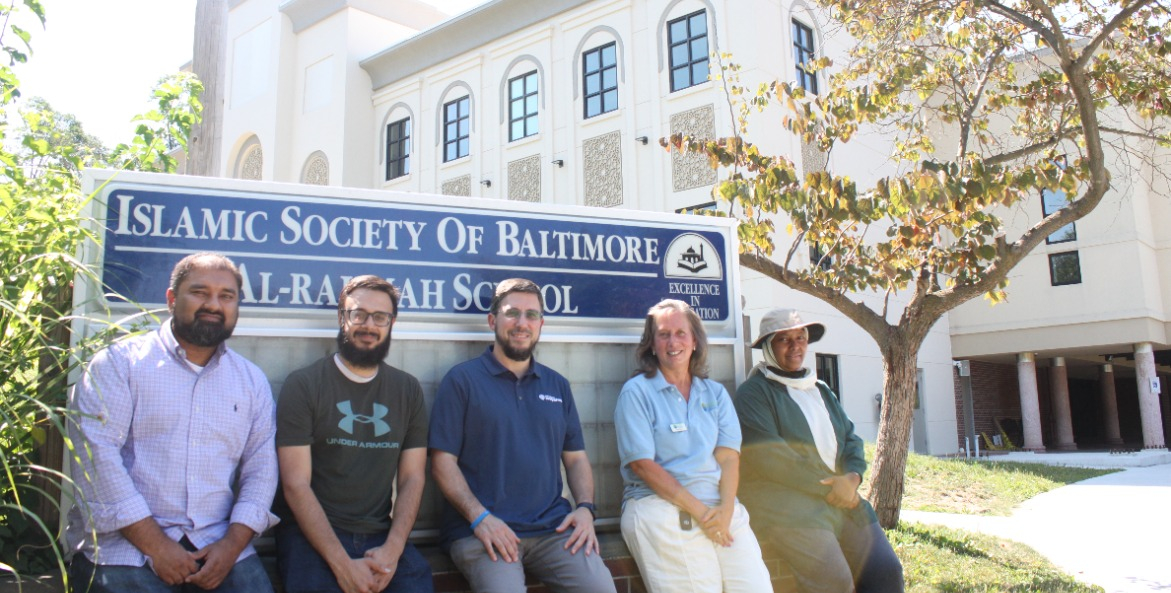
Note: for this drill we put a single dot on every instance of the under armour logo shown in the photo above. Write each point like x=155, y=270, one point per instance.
x=347, y=423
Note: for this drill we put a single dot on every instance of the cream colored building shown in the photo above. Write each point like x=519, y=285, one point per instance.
x=554, y=101
x=1087, y=327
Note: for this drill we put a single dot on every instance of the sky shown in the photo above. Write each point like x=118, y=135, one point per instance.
x=98, y=60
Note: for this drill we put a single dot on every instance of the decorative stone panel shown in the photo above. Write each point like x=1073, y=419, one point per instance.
x=603, y=170
x=457, y=186
x=691, y=170
x=316, y=170
x=252, y=165
x=812, y=158
x=524, y=179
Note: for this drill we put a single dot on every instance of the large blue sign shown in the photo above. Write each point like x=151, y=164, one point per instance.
x=297, y=252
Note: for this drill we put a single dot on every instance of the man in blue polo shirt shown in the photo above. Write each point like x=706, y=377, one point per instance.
x=501, y=427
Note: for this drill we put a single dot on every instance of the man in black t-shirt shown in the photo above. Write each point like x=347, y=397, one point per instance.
x=349, y=429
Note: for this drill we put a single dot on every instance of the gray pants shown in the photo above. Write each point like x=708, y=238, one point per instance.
x=544, y=557
x=857, y=558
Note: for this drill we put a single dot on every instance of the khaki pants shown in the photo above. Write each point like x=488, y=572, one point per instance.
x=544, y=557
x=672, y=560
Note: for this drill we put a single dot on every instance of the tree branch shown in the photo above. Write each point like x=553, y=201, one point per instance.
x=1121, y=132
x=1025, y=20
x=866, y=318
x=1107, y=30
x=1019, y=153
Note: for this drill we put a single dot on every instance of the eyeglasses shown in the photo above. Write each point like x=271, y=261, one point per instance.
x=514, y=314
x=359, y=317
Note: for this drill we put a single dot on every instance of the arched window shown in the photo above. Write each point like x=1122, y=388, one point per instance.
x=601, y=71
x=522, y=97
x=804, y=52
x=456, y=121
x=397, y=134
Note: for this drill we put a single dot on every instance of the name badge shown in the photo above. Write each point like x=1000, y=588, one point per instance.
x=679, y=427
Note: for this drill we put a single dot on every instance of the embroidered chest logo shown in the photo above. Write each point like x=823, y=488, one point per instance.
x=549, y=398
x=347, y=423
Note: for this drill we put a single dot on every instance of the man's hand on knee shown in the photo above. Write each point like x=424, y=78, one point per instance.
x=498, y=538
x=583, y=534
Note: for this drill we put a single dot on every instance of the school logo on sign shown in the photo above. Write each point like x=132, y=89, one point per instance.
x=692, y=256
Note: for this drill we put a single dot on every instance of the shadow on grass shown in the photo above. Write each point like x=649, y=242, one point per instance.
x=937, y=558
x=1054, y=473
x=957, y=544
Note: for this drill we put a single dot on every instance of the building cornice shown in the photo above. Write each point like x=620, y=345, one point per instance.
x=459, y=35
x=409, y=13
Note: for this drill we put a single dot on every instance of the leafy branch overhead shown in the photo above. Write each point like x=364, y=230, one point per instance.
x=940, y=119
x=985, y=105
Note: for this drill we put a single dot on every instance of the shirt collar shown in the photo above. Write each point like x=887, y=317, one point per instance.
x=167, y=336
x=495, y=368
x=659, y=383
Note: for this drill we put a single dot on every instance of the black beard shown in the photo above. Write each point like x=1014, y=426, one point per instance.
x=517, y=354
x=363, y=359
x=201, y=333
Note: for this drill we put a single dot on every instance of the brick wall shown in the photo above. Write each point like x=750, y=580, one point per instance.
x=995, y=396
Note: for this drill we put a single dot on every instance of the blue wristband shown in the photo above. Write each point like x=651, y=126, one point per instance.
x=480, y=519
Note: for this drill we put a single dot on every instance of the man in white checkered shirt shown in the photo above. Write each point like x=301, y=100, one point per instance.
x=177, y=465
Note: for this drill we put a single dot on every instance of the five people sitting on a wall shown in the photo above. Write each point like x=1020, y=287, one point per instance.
x=180, y=441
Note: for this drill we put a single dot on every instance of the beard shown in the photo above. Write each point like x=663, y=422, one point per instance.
x=200, y=332
x=513, y=353
x=359, y=357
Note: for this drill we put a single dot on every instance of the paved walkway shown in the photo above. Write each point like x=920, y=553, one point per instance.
x=1113, y=531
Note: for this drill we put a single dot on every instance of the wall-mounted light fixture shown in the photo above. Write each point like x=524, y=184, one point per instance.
x=559, y=162
x=642, y=139
x=486, y=182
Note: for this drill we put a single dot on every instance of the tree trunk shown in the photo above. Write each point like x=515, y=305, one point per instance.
x=203, y=149
x=899, y=363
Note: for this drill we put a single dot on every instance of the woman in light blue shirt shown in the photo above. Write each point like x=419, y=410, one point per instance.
x=679, y=442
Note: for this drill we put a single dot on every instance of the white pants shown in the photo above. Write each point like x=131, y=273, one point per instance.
x=672, y=560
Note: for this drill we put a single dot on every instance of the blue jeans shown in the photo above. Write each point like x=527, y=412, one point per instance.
x=303, y=570
x=247, y=576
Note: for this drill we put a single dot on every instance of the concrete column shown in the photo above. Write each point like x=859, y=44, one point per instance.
x=1059, y=394
x=1109, y=401
x=1148, y=400
x=1026, y=368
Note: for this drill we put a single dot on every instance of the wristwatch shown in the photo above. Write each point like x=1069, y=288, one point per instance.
x=589, y=506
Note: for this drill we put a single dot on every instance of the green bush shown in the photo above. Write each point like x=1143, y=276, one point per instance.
x=42, y=227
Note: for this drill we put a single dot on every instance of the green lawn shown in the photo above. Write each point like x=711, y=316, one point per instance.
x=938, y=558
x=942, y=559
x=957, y=485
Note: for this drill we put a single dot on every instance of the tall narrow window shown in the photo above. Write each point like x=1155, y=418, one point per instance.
x=600, y=79
x=522, y=106
x=1052, y=201
x=1065, y=268
x=456, y=129
x=687, y=43
x=398, y=148
x=802, y=55
x=827, y=370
